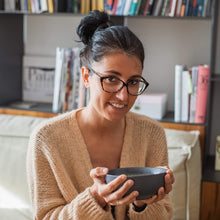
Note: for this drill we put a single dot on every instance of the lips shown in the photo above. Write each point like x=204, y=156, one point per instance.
x=116, y=105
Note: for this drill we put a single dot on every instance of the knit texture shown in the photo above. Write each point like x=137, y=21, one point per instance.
x=58, y=166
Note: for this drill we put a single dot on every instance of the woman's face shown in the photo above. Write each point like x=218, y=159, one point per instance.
x=113, y=106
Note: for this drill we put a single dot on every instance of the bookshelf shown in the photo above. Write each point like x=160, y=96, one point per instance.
x=12, y=49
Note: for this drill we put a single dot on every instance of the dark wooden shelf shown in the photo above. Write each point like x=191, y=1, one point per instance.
x=215, y=78
x=209, y=172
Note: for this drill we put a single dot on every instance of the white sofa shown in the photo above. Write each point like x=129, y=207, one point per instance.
x=184, y=160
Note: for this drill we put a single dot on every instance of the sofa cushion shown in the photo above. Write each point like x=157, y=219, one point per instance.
x=14, y=136
x=184, y=155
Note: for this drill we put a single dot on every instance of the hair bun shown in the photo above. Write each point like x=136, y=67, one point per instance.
x=90, y=23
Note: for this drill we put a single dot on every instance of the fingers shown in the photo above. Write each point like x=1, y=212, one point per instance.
x=127, y=199
x=117, y=196
x=169, y=180
x=98, y=174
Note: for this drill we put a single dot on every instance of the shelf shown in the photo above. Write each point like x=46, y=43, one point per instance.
x=126, y=16
x=41, y=110
x=209, y=172
x=169, y=117
x=215, y=78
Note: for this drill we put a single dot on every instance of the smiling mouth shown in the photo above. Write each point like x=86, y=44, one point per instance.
x=117, y=105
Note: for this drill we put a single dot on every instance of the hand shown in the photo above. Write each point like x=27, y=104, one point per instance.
x=107, y=193
x=162, y=191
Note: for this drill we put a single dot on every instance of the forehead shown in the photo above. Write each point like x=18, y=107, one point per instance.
x=120, y=62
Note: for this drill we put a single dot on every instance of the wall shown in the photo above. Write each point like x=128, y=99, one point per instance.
x=167, y=42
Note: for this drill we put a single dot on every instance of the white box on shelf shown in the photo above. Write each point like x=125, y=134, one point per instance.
x=153, y=105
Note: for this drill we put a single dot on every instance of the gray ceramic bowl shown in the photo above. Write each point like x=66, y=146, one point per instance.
x=147, y=180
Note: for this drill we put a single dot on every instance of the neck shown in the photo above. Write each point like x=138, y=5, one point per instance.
x=99, y=124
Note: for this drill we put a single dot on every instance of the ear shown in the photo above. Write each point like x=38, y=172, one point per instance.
x=85, y=76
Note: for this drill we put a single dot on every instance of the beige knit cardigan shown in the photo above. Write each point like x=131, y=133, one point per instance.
x=58, y=166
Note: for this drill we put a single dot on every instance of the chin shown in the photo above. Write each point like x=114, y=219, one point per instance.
x=116, y=116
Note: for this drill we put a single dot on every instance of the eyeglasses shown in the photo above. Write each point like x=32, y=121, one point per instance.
x=111, y=84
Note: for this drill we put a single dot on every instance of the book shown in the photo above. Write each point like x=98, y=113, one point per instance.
x=157, y=8
x=94, y=5
x=108, y=4
x=183, y=8
x=127, y=7
x=178, y=93
x=202, y=93
x=9, y=5
x=120, y=7
x=38, y=78
x=185, y=96
x=43, y=4
x=172, y=8
x=194, y=77
x=17, y=5
x=187, y=8
x=114, y=8
x=142, y=7
x=217, y=153
x=138, y=7
x=165, y=8
x=133, y=7
x=149, y=7
x=100, y=5
x=50, y=6
x=56, y=107
x=178, y=8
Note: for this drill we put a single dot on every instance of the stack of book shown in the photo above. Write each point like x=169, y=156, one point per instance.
x=191, y=93
x=69, y=90
x=183, y=8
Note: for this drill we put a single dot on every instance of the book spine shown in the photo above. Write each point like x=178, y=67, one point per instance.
x=50, y=6
x=138, y=7
x=114, y=7
x=193, y=95
x=133, y=7
x=186, y=13
x=178, y=93
x=57, y=79
x=172, y=8
x=44, y=5
x=178, y=8
x=202, y=94
x=185, y=96
x=157, y=8
x=183, y=8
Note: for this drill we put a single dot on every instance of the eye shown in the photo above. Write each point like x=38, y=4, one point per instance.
x=111, y=79
x=134, y=82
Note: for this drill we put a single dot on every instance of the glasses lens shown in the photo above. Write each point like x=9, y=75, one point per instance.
x=136, y=86
x=111, y=84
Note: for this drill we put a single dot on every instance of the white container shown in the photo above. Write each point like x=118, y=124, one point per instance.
x=153, y=105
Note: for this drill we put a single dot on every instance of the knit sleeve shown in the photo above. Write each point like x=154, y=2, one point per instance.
x=48, y=201
x=156, y=155
x=158, y=210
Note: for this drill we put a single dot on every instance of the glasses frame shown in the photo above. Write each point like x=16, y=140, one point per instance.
x=124, y=84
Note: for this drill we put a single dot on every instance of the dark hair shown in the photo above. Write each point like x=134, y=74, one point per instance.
x=100, y=38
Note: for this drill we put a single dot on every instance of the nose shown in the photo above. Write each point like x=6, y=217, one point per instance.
x=122, y=94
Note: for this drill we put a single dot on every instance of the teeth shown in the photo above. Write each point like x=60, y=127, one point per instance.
x=117, y=105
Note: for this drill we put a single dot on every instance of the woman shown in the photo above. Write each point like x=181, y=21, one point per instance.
x=70, y=155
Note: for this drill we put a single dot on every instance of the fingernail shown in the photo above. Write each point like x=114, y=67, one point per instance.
x=135, y=193
x=130, y=182
x=104, y=170
x=123, y=177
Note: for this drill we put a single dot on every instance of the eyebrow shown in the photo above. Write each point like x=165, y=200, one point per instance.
x=119, y=74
